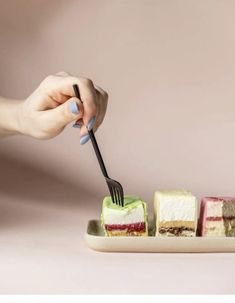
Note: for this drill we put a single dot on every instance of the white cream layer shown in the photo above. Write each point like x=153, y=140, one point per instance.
x=175, y=206
x=124, y=216
x=214, y=209
x=215, y=228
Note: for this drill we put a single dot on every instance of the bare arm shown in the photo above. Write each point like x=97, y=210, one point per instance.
x=9, y=117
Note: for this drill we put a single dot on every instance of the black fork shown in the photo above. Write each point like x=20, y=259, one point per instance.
x=115, y=188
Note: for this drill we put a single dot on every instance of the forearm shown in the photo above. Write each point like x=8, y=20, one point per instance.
x=9, y=117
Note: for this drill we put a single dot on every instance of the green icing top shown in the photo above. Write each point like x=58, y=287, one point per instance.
x=129, y=202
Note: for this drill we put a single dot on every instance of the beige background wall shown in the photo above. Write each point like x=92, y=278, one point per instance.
x=169, y=68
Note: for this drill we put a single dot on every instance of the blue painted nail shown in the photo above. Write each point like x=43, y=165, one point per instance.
x=91, y=123
x=84, y=139
x=74, y=107
x=77, y=125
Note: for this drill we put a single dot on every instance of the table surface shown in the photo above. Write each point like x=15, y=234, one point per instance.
x=43, y=252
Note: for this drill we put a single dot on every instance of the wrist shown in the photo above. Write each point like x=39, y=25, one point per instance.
x=10, y=117
x=17, y=124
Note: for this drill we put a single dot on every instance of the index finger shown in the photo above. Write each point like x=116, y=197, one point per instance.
x=55, y=86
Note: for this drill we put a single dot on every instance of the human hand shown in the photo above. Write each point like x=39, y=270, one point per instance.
x=53, y=105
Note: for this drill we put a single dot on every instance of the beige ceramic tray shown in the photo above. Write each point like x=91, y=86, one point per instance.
x=96, y=240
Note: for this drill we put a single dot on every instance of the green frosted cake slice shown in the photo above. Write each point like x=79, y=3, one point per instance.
x=129, y=220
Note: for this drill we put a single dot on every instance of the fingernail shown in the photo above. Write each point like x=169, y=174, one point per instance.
x=91, y=123
x=84, y=139
x=77, y=125
x=74, y=107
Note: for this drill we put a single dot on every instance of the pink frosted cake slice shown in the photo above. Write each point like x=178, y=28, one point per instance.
x=217, y=217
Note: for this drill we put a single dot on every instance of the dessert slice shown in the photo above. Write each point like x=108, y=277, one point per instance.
x=217, y=217
x=175, y=213
x=129, y=220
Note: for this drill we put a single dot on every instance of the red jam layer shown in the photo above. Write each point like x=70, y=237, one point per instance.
x=139, y=226
x=220, y=218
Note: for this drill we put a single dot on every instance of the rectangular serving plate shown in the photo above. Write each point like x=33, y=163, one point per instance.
x=96, y=240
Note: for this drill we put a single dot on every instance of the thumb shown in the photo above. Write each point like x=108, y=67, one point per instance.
x=67, y=112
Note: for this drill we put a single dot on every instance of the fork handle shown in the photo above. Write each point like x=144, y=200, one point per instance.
x=98, y=154
x=93, y=139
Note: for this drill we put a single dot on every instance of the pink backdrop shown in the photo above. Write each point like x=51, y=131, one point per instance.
x=169, y=68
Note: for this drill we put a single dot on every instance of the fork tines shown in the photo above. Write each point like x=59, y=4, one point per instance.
x=116, y=191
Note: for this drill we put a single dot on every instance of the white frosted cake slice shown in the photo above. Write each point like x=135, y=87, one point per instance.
x=129, y=220
x=175, y=213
